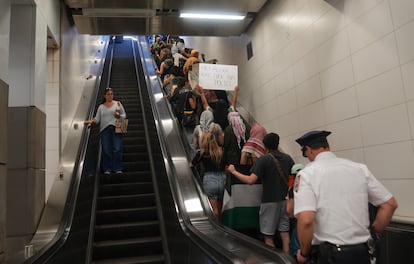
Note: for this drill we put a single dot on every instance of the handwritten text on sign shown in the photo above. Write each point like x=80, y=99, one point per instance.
x=217, y=76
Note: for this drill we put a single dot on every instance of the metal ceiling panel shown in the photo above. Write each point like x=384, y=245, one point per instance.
x=137, y=17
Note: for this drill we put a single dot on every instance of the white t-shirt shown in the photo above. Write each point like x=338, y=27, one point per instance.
x=105, y=115
x=338, y=190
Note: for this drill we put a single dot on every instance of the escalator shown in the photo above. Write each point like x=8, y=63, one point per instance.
x=126, y=223
x=155, y=211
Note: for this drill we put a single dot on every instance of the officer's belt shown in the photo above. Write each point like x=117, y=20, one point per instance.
x=343, y=248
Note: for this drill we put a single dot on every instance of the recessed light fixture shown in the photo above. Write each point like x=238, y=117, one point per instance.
x=213, y=16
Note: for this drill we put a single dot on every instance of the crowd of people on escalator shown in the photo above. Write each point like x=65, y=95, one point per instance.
x=328, y=220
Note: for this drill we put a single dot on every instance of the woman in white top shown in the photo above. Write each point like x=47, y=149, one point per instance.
x=106, y=115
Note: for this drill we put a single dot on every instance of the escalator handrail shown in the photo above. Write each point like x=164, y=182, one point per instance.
x=151, y=160
x=89, y=248
x=62, y=233
x=208, y=246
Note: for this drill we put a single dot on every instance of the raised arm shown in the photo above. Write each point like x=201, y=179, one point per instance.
x=234, y=99
x=203, y=96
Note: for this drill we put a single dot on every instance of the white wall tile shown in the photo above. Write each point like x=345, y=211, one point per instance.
x=319, y=8
x=309, y=91
x=385, y=126
x=272, y=125
x=410, y=109
x=305, y=68
x=266, y=112
x=381, y=91
x=356, y=155
x=337, y=77
x=398, y=163
x=405, y=41
x=265, y=72
x=370, y=27
x=282, y=60
x=402, y=190
x=261, y=96
x=286, y=102
x=284, y=81
x=300, y=21
x=355, y=8
x=341, y=106
x=312, y=116
x=52, y=162
x=52, y=93
x=52, y=138
x=302, y=45
x=402, y=11
x=333, y=50
x=287, y=124
x=328, y=25
x=408, y=79
x=345, y=134
x=52, y=117
x=376, y=58
x=288, y=145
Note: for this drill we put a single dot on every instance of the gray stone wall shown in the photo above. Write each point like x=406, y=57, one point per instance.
x=25, y=175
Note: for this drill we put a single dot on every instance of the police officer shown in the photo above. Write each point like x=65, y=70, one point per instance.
x=331, y=204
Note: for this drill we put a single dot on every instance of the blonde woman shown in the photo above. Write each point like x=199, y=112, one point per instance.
x=211, y=156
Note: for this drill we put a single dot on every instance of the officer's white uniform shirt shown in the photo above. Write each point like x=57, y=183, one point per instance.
x=338, y=190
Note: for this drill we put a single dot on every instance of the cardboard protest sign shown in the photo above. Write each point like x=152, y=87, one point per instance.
x=217, y=76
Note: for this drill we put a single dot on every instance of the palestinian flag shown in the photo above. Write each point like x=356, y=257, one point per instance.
x=241, y=204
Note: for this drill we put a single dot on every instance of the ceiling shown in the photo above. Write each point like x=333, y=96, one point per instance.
x=148, y=17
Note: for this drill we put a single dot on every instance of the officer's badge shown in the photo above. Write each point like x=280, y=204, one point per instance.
x=297, y=180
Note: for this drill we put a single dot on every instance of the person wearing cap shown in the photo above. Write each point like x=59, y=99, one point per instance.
x=331, y=204
x=268, y=170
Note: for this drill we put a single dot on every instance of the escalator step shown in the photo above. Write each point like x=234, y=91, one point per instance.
x=127, y=247
x=127, y=227
x=125, y=201
x=127, y=177
x=126, y=215
x=153, y=259
x=127, y=230
x=126, y=188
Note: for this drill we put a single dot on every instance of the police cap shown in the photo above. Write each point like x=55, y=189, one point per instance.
x=312, y=136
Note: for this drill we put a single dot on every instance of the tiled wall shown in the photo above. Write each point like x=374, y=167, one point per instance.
x=345, y=66
x=52, y=119
x=341, y=65
x=25, y=174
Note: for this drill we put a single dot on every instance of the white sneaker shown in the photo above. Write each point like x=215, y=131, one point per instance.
x=118, y=172
x=107, y=172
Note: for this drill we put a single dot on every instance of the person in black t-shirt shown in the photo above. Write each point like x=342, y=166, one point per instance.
x=268, y=169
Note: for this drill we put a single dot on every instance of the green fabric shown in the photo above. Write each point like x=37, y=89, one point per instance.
x=241, y=217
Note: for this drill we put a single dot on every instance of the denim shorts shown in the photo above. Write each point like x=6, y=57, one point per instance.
x=213, y=183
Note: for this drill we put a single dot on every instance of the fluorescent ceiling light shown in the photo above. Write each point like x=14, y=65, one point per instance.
x=212, y=16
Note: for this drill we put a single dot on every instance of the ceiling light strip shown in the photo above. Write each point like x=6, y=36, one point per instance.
x=212, y=16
